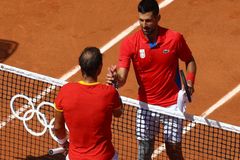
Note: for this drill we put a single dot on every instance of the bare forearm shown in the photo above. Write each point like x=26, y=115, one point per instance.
x=191, y=73
x=121, y=82
x=60, y=132
x=59, y=125
x=121, y=77
x=191, y=67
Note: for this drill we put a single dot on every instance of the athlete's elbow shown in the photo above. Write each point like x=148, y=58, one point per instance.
x=118, y=113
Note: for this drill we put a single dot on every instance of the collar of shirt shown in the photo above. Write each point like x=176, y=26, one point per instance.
x=88, y=84
x=160, y=38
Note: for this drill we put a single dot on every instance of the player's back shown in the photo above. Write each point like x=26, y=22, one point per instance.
x=87, y=111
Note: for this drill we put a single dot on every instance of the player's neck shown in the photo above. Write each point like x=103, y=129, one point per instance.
x=153, y=37
x=89, y=79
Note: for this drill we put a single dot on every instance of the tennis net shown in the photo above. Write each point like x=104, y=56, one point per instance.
x=26, y=119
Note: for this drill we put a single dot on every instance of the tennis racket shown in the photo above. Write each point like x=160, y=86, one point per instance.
x=59, y=149
x=184, y=81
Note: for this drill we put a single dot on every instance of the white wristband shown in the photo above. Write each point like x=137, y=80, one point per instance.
x=62, y=141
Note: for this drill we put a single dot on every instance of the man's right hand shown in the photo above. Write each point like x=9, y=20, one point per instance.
x=111, y=75
x=65, y=146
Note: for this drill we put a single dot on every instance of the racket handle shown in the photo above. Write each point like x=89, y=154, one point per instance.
x=186, y=86
x=188, y=96
x=56, y=151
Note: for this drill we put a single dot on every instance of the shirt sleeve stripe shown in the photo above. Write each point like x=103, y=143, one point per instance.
x=55, y=106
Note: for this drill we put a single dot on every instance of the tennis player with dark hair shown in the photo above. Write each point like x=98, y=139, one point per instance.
x=87, y=108
x=155, y=52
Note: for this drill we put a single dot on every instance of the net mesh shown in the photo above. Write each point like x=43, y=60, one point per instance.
x=24, y=129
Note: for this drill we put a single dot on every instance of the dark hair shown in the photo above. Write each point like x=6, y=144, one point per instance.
x=90, y=60
x=148, y=6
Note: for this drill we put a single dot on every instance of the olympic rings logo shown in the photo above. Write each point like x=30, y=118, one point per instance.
x=29, y=114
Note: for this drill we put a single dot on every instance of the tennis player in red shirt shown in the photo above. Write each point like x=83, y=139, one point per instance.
x=155, y=52
x=87, y=107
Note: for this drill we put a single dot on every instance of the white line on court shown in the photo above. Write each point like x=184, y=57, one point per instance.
x=124, y=34
x=223, y=100
x=112, y=42
x=103, y=49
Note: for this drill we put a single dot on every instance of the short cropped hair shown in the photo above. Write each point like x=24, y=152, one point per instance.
x=148, y=6
x=90, y=60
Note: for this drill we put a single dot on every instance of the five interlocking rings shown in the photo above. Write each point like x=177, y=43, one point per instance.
x=29, y=114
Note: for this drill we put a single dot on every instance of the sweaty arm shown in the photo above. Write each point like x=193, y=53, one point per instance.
x=191, y=72
x=121, y=78
x=118, y=75
x=59, y=126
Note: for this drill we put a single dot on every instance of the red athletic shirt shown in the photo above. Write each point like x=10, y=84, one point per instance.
x=156, y=68
x=87, y=110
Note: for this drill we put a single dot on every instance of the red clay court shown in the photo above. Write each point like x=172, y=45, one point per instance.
x=51, y=34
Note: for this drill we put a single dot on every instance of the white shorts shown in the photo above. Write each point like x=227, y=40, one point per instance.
x=148, y=123
x=115, y=157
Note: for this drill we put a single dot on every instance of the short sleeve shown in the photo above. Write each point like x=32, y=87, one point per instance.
x=124, y=59
x=58, y=102
x=183, y=51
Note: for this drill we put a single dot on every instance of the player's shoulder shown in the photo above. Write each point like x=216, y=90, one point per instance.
x=132, y=40
x=172, y=33
x=69, y=85
x=135, y=36
x=106, y=87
